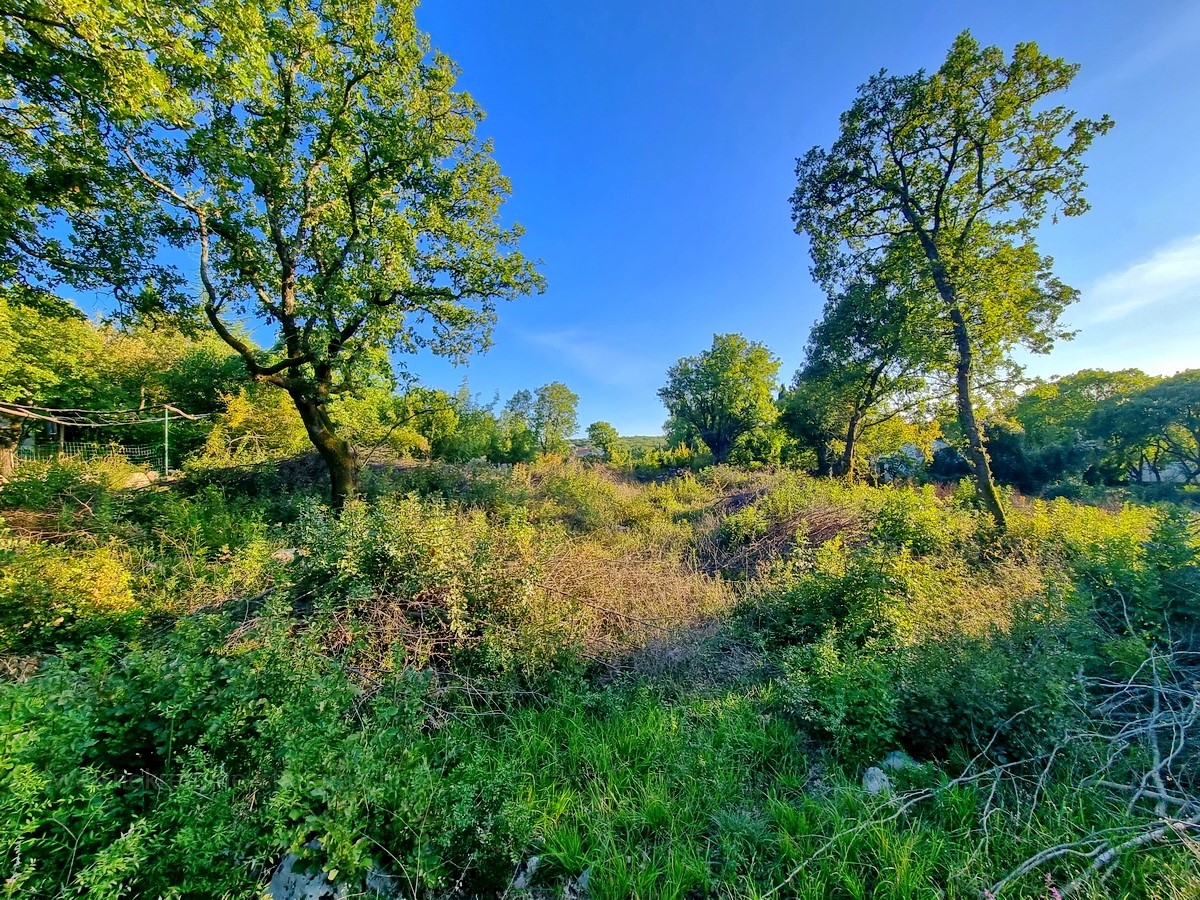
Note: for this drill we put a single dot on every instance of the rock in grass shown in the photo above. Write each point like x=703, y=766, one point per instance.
x=576, y=888
x=875, y=781
x=898, y=761
x=524, y=874
x=297, y=879
x=292, y=882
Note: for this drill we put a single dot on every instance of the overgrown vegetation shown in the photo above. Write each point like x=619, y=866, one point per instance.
x=454, y=651
x=672, y=686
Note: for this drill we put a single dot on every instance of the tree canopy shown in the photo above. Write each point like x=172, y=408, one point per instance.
x=869, y=360
x=330, y=180
x=553, y=416
x=952, y=171
x=722, y=394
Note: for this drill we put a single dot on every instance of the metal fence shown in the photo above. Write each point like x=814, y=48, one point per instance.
x=140, y=454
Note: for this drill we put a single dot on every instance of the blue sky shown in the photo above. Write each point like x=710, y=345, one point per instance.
x=651, y=146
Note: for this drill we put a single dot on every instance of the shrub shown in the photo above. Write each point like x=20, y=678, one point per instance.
x=66, y=481
x=916, y=521
x=49, y=595
x=844, y=695
x=1016, y=692
x=438, y=583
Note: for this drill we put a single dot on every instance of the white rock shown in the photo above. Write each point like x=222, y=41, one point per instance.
x=875, y=781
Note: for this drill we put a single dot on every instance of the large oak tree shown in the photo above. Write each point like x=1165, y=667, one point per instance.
x=955, y=169
x=323, y=172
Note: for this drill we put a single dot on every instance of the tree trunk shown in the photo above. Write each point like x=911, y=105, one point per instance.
x=847, y=462
x=341, y=460
x=976, y=454
x=824, y=464
x=719, y=445
x=10, y=442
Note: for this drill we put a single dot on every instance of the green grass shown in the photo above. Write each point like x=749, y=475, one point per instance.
x=430, y=687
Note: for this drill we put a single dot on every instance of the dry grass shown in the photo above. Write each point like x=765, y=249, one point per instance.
x=621, y=600
x=811, y=527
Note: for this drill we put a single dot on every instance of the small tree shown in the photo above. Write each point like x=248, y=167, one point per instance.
x=868, y=361
x=606, y=439
x=723, y=393
x=953, y=170
x=554, y=419
x=334, y=189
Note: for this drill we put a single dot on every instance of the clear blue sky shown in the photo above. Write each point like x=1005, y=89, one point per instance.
x=651, y=148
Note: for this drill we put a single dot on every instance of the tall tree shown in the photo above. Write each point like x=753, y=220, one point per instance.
x=554, y=416
x=69, y=72
x=333, y=186
x=1156, y=428
x=723, y=393
x=45, y=343
x=1060, y=409
x=955, y=170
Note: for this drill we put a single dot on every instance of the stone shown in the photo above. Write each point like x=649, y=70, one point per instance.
x=285, y=555
x=898, y=761
x=297, y=879
x=875, y=781
x=292, y=881
x=576, y=888
x=381, y=883
x=524, y=874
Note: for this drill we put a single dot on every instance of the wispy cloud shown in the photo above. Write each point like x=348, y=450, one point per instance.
x=1172, y=273
x=1174, y=35
x=594, y=357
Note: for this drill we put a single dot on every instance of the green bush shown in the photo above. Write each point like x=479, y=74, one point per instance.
x=67, y=481
x=1015, y=693
x=49, y=595
x=434, y=581
x=844, y=695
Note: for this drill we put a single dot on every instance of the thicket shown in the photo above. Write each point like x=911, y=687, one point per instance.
x=667, y=688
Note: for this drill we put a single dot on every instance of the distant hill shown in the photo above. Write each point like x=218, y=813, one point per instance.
x=643, y=442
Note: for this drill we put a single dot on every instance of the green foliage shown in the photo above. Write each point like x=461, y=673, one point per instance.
x=319, y=161
x=867, y=360
x=943, y=177
x=64, y=484
x=45, y=344
x=73, y=73
x=1156, y=427
x=413, y=690
x=255, y=425
x=605, y=439
x=846, y=696
x=462, y=586
x=50, y=596
x=1060, y=409
x=722, y=394
x=553, y=417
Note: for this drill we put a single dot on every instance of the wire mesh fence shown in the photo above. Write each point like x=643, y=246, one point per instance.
x=140, y=454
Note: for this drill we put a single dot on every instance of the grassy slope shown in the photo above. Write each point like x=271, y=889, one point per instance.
x=673, y=687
